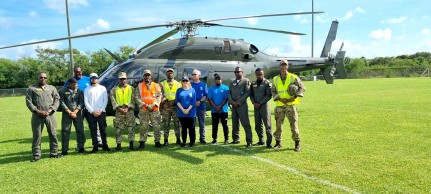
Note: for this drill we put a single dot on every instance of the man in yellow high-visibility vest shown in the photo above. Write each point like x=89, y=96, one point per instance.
x=122, y=100
x=285, y=103
x=169, y=108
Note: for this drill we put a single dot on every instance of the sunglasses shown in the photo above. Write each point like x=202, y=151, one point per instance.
x=237, y=71
x=194, y=74
x=185, y=80
x=43, y=78
x=123, y=78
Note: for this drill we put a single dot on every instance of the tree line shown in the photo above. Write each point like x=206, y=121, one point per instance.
x=22, y=72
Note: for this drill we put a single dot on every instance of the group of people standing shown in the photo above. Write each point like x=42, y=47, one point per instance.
x=169, y=101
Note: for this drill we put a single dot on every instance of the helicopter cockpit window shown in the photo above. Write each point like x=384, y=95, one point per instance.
x=253, y=49
x=226, y=46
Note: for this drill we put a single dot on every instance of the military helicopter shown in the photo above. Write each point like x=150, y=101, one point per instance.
x=210, y=55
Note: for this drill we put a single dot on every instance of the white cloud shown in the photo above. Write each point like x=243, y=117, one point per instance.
x=60, y=6
x=293, y=48
x=100, y=25
x=348, y=15
x=385, y=34
x=33, y=14
x=252, y=21
x=359, y=10
x=5, y=22
x=301, y=19
x=30, y=49
x=395, y=20
x=425, y=31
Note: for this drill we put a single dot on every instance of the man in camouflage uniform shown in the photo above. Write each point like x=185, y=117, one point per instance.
x=122, y=100
x=239, y=91
x=169, y=108
x=148, y=97
x=72, y=104
x=259, y=96
x=43, y=100
x=285, y=103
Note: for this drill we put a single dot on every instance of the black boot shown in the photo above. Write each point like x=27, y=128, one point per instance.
x=157, y=144
x=277, y=144
x=166, y=142
x=178, y=141
x=141, y=145
x=118, y=147
x=106, y=148
x=95, y=149
x=131, y=147
x=297, y=147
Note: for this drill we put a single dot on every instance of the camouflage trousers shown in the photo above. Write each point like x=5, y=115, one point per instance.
x=145, y=118
x=292, y=115
x=168, y=115
x=122, y=121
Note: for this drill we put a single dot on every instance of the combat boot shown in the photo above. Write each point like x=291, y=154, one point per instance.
x=297, y=147
x=166, y=142
x=277, y=144
x=118, y=147
x=178, y=141
x=131, y=147
x=157, y=144
x=141, y=145
x=106, y=148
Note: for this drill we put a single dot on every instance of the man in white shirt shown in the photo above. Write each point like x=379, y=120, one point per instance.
x=96, y=100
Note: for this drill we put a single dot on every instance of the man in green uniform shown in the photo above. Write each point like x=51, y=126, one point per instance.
x=285, y=103
x=239, y=91
x=259, y=96
x=169, y=108
x=72, y=104
x=122, y=100
x=43, y=100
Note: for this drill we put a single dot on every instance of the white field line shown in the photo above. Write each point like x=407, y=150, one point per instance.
x=294, y=171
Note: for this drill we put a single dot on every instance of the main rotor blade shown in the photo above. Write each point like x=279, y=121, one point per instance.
x=161, y=38
x=265, y=15
x=87, y=35
x=259, y=29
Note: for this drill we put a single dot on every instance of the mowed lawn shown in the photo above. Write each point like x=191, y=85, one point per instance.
x=357, y=135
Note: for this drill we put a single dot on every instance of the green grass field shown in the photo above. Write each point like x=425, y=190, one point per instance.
x=359, y=135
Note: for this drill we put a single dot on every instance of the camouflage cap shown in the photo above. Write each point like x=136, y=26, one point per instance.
x=147, y=72
x=284, y=62
x=122, y=75
x=170, y=70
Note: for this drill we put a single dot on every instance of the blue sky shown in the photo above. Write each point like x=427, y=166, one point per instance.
x=367, y=28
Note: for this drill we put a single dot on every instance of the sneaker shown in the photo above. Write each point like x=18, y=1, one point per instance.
x=235, y=142
x=214, y=141
x=249, y=145
x=166, y=142
x=269, y=146
x=202, y=141
x=94, y=150
x=260, y=143
x=183, y=145
x=226, y=141
x=64, y=153
x=191, y=144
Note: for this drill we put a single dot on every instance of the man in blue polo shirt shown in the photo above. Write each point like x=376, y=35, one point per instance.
x=201, y=89
x=218, y=98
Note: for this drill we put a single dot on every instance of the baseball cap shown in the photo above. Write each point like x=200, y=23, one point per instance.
x=284, y=61
x=94, y=75
x=185, y=78
x=147, y=72
x=217, y=76
x=170, y=70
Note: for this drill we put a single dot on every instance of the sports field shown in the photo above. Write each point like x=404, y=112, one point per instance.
x=358, y=136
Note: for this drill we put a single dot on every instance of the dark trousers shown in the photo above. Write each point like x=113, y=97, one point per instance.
x=92, y=124
x=216, y=118
x=187, y=124
x=66, y=125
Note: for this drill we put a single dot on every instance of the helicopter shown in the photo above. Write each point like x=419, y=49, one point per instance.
x=210, y=55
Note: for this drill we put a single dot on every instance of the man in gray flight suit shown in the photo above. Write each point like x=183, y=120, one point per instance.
x=239, y=91
x=43, y=100
x=72, y=103
x=259, y=96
